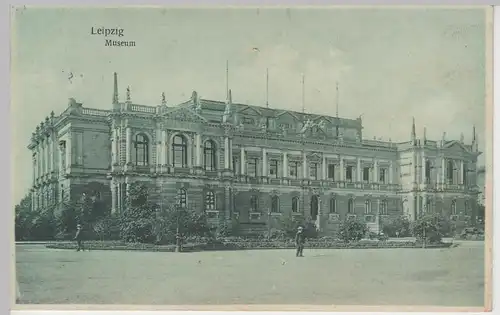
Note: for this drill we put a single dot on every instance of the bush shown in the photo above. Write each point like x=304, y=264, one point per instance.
x=352, y=230
x=396, y=227
x=430, y=228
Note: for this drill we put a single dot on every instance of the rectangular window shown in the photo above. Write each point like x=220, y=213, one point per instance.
x=294, y=167
x=252, y=167
x=331, y=171
x=313, y=171
x=348, y=173
x=366, y=174
x=236, y=166
x=382, y=175
x=273, y=168
x=449, y=175
x=427, y=171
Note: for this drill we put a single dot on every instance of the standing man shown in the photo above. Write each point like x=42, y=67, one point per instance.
x=299, y=241
x=79, y=238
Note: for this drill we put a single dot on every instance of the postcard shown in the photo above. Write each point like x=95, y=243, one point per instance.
x=244, y=158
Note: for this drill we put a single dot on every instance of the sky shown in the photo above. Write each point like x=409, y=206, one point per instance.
x=390, y=65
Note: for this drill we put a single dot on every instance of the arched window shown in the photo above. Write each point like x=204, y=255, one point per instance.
x=333, y=205
x=182, y=198
x=368, y=207
x=209, y=155
x=141, y=150
x=209, y=200
x=350, y=206
x=454, y=207
x=466, y=207
x=254, y=203
x=179, y=147
x=295, y=204
x=275, y=204
x=383, y=207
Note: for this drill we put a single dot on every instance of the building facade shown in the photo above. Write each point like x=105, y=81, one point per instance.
x=249, y=164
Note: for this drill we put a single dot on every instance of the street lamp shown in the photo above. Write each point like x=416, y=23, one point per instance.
x=268, y=223
x=178, y=247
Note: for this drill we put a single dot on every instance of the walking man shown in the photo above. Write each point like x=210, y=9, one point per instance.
x=299, y=241
x=79, y=238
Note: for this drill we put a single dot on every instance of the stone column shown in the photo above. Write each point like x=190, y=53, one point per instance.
x=391, y=173
x=443, y=171
x=69, y=153
x=51, y=154
x=227, y=204
x=128, y=146
x=227, y=155
x=264, y=163
x=461, y=176
x=42, y=158
x=323, y=168
x=113, y=146
x=113, y=197
x=47, y=155
x=37, y=164
x=33, y=164
x=158, y=150
x=164, y=149
x=231, y=166
x=198, y=150
x=285, y=165
x=424, y=204
x=359, y=175
x=424, y=160
x=414, y=167
x=341, y=169
x=304, y=166
x=242, y=153
x=33, y=200
x=375, y=171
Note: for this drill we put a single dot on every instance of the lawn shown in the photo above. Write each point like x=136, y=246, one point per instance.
x=441, y=277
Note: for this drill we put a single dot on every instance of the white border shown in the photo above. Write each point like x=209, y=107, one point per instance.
x=5, y=193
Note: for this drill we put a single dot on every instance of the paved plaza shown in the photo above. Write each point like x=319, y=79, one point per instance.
x=444, y=277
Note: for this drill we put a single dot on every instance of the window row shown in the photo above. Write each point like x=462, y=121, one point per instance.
x=179, y=149
x=294, y=171
x=210, y=203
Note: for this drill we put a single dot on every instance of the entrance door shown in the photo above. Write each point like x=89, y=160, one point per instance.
x=314, y=207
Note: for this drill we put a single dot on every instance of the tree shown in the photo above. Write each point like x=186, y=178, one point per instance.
x=397, y=226
x=190, y=223
x=430, y=228
x=23, y=218
x=352, y=230
x=137, y=221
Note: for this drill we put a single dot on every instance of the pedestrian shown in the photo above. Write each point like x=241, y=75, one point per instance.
x=18, y=292
x=299, y=241
x=79, y=238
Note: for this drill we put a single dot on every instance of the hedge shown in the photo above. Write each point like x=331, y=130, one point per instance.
x=243, y=245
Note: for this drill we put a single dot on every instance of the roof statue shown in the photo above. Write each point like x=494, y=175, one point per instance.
x=308, y=125
x=163, y=100
x=128, y=94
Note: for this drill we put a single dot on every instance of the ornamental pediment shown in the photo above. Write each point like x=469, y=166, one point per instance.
x=248, y=110
x=455, y=146
x=185, y=114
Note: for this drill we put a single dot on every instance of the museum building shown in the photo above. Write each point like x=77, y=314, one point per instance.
x=249, y=164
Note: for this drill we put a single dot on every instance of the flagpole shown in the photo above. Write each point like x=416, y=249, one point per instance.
x=227, y=79
x=337, y=108
x=267, y=87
